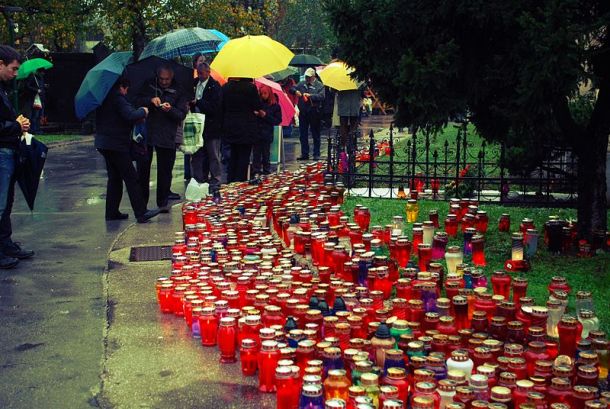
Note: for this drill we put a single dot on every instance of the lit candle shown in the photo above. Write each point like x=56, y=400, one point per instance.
x=517, y=247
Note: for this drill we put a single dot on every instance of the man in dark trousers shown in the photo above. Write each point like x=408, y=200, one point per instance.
x=240, y=101
x=206, y=163
x=114, y=121
x=311, y=96
x=11, y=129
x=167, y=109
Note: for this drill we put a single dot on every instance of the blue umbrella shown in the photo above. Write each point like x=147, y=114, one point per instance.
x=224, y=37
x=183, y=42
x=98, y=81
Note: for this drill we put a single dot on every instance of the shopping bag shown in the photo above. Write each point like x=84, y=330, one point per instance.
x=193, y=132
x=196, y=191
x=37, y=102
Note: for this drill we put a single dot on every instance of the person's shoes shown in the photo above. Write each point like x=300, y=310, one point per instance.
x=303, y=158
x=118, y=216
x=173, y=196
x=149, y=214
x=8, y=262
x=316, y=157
x=14, y=250
x=216, y=197
x=164, y=209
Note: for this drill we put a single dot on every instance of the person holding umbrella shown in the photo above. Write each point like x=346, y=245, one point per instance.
x=114, y=122
x=240, y=102
x=268, y=116
x=11, y=129
x=311, y=96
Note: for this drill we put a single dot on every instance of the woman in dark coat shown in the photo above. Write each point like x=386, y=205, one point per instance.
x=240, y=101
x=114, y=123
x=268, y=117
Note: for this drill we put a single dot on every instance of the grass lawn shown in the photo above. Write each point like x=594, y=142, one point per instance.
x=591, y=274
x=50, y=138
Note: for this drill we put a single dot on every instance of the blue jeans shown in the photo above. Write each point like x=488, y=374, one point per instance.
x=8, y=162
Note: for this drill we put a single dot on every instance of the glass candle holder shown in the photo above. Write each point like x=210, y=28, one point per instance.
x=439, y=244
x=428, y=228
x=227, y=339
x=481, y=221
x=468, y=234
x=403, y=251
x=433, y=217
x=412, y=210
x=424, y=256
x=504, y=223
x=397, y=226
x=248, y=356
x=531, y=242
x=453, y=257
x=268, y=357
x=451, y=225
x=478, y=250
x=517, y=247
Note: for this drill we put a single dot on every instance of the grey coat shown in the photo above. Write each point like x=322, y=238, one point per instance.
x=348, y=102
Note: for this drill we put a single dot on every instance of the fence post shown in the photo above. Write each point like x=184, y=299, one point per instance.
x=446, y=158
x=391, y=158
x=408, y=163
x=413, y=161
x=481, y=156
x=371, y=161
x=503, y=191
x=435, y=182
x=464, y=141
x=457, y=161
x=427, y=157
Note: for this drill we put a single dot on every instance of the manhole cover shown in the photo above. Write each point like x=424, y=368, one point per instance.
x=150, y=253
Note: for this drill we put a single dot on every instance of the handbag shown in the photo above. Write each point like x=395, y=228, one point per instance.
x=37, y=102
x=192, y=133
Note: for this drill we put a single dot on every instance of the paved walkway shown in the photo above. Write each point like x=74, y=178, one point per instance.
x=79, y=324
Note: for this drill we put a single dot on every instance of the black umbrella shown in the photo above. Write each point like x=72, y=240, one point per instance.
x=139, y=73
x=305, y=60
x=31, y=162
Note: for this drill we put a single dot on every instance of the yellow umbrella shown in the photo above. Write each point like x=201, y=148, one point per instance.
x=336, y=75
x=251, y=57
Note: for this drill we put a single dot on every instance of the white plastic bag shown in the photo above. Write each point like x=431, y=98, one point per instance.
x=196, y=191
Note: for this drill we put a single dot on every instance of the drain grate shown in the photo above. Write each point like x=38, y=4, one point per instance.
x=150, y=253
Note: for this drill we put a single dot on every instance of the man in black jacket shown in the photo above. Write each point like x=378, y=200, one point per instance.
x=311, y=97
x=114, y=122
x=206, y=163
x=167, y=109
x=11, y=128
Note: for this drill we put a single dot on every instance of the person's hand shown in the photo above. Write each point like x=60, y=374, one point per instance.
x=306, y=95
x=145, y=110
x=166, y=106
x=24, y=123
x=298, y=94
x=262, y=113
x=156, y=101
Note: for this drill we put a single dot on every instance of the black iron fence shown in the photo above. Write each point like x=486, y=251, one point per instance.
x=457, y=167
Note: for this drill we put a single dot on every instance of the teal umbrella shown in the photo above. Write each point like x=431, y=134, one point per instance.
x=283, y=74
x=31, y=66
x=98, y=81
x=183, y=42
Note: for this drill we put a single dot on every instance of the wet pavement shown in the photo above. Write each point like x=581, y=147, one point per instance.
x=79, y=323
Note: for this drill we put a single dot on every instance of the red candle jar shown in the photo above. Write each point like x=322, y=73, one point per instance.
x=403, y=251
x=397, y=377
x=478, y=250
x=287, y=388
x=268, y=357
x=535, y=352
x=248, y=356
x=519, y=285
x=433, y=217
x=403, y=288
x=418, y=236
x=305, y=352
x=568, y=336
x=559, y=283
x=227, y=339
x=208, y=326
x=460, y=308
x=165, y=298
x=560, y=392
x=500, y=283
x=582, y=394
x=424, y=255
x=504, y=223
x=481, y=221
x=451, y=225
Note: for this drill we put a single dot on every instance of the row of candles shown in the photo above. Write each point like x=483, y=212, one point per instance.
x=238, y=288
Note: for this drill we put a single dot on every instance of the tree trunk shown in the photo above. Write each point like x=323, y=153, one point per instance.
x=138, y=33
x=592, y=185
